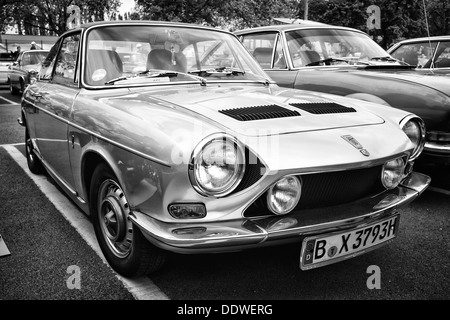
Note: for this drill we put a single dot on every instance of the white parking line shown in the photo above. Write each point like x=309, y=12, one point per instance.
x=9, y=101
x=141, y=288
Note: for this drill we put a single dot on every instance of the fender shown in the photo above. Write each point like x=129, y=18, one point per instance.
x=368, y=97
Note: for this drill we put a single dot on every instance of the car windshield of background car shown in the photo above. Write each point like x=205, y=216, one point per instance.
x=121, y=55
x=328, y=43
x=33, y=58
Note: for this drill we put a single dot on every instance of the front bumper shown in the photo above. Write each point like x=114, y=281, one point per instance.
x=244, y=233
x=436, y=152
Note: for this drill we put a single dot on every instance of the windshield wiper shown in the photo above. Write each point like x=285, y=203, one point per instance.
x=329, y=60
x=219, y=71
x=385, y=58
x=153, y=73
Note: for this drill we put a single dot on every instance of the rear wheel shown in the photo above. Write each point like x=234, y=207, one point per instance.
x=12, y=89
x=34, y=164
x=122, y=243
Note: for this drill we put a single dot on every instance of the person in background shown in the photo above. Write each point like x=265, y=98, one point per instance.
x=16, y=53
x=33, y=46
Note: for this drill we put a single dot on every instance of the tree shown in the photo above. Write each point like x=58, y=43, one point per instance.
x=231, y=14
x=48, y=17
x=400, y=19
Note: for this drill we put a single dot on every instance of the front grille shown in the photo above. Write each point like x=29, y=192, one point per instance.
x=322, y=107
x=259, y=112
x=329, y=189
x=254, y=170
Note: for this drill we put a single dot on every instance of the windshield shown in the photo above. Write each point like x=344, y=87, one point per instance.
x=311, y=45
x=33, y=57
x=122, y=55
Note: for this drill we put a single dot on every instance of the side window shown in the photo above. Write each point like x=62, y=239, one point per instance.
x=45, y=73
x=443, y=60
x=66, y=61
x=261, y=46
x=280, y=58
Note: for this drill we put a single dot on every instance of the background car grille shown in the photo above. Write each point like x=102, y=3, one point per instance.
x=322, y=107
x=328, y=189
x=259, y=112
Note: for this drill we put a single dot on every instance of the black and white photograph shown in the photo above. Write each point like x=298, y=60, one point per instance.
x=224, y=159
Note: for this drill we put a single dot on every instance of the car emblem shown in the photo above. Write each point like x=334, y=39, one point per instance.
x=356, y=144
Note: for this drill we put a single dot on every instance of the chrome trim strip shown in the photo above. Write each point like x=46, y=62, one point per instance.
x=236, y=234
x=435, y=147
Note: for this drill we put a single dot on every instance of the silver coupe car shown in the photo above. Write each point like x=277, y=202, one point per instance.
x=196, y=150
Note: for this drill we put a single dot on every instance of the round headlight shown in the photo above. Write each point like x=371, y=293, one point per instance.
x=414, y=128
x=217, y=165
x=284, y=195
x=393, y=173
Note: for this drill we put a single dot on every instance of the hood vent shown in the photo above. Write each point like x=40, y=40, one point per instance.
x=322, y=107
x=259, y=113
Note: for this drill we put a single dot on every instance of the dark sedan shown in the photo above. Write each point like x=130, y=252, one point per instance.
x=429, y=53
x=347, y=62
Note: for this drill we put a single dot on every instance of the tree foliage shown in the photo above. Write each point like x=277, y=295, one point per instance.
x=399, y=18
x=230, y=14
x=48, y=17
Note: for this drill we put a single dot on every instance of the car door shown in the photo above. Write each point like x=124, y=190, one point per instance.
x=267, y=49
x=54, y=102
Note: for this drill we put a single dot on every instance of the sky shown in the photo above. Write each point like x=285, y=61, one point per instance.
x=127, y=6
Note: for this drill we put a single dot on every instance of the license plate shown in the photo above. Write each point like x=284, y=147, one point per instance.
x=326, y=249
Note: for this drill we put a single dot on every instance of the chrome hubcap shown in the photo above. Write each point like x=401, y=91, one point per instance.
x=115, y=224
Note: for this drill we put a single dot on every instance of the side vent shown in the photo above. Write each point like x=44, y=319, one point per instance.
x=259, y=113
x=322, y=107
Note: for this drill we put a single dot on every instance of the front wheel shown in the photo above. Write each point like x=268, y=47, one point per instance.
x=122, y=243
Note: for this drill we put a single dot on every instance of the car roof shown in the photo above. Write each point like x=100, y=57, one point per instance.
x=425, y=39
x=143, y=22
x=304, y=24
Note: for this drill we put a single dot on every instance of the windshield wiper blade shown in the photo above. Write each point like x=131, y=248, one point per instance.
x=118, y=79
x=219, y=71
x=152, y=73
x=384, y=58
x=327, y=60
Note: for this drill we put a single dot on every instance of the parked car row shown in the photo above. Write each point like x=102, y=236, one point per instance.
x=347, y=62
x=196, y=149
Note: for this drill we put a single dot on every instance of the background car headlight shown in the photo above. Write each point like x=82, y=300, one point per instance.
x=217, y=165
x=414, y=128
x=393, y=173
x=284, y=195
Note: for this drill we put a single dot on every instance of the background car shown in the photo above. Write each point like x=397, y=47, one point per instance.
x=27, y=65
x=6, y=58
x=203, y=153
x=348, y=62
x=430, y=53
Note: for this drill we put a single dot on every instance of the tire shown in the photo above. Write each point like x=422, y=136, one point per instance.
x=125, y=248
x=22, y=86
x=34, y=164
x=14, y=91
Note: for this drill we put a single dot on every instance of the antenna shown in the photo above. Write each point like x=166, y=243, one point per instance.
x=428, y=32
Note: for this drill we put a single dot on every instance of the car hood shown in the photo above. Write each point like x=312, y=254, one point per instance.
x=256, y=111
x=440, y=82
